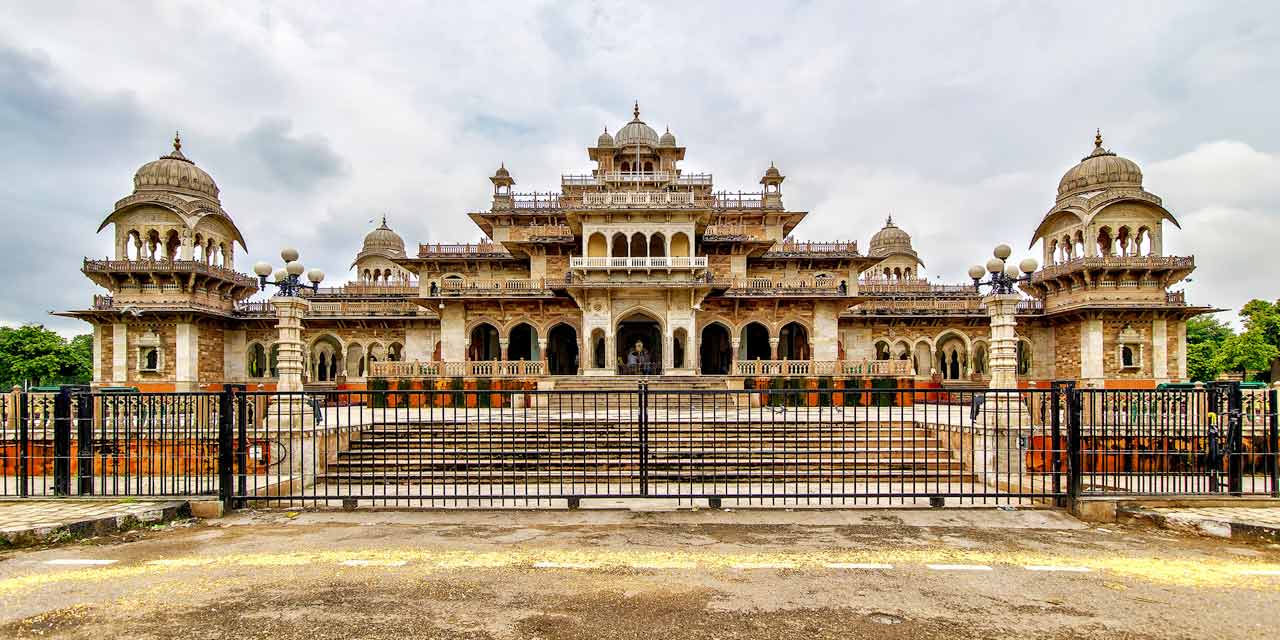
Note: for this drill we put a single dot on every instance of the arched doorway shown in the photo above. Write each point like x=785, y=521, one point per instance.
x=639, y=346
x=355, y=361
x=755, y=343
x=716, y=350
x=953, y=357
x=562, y=350
x=678, y=342
x=522, y=344
x=639, y=247
x=599, y=358
x=325, y=359
x=484, y=343
x=680, y=245
x=657, y=246
x=793, y=342
x=619, y=249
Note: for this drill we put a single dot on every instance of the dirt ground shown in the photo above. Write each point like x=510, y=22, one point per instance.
x=669, y=575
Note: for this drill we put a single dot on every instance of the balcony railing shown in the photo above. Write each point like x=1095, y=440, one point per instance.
x=536, y=201
x=459, y=287
x=169, y=266
x=697, y=262
x=911, y=287
x=837, y=368
x=407, y=288
x=1175, y=297
x=795, y=247
x=788, y=286
x=483, y=249
x=628, y=199
x=360, y=309
x=1139, y=263
x=541, y=233
x=477, y=369
x=738, y=200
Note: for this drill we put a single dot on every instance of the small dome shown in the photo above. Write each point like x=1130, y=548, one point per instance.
x=174, y=172
x=667, y=139
x=890, y=239
x=1099, y=169
x=383, y=241
x=636, y=132
x=500, y=173
x=772, y=172
x=605, y=140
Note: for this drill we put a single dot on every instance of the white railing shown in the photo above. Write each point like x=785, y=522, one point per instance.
x=864, y=368
x=638, y=199
x=638, y=176
x=479, y=369
x=459, y=286
x=698, y=262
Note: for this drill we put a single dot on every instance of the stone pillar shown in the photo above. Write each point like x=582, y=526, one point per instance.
x=1091, y=351
x=1160, y=350
x=825, y=338
x=1003, y=358
x=234, y=355
x=289, y=314
x=773, y=348
x=419, y=344
x=119, y=353
x=542, y=355
x=99, y=335
x=734, y=343
x=668, y=352
x=502, y=348
x=453, y=330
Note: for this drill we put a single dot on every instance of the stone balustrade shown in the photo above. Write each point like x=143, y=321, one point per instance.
x=653, y=262
x=469, y=369
x=836, y=368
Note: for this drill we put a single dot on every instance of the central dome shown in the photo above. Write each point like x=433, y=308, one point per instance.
x=174, y=172
x=1099, y=169
x=890, y=239
x=636, y=132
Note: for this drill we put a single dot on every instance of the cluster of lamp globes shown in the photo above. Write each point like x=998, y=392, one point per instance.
x=292, y=269
x=997, y=265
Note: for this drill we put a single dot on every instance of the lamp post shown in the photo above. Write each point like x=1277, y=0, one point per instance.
x=1002, y=304
x=290, y=309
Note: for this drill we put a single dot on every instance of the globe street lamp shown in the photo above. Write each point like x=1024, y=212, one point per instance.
x=1002, y=305
x=289, y=279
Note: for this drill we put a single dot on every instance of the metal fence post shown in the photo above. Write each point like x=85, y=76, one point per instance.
x=84, y=443
x=225, y=440
x=1273, y=439
x=1235, y=439
x=643, y=392
x=1075, y=468
x=24, y=444
x=1056, y=450
x=62, y=442
x=242, y=445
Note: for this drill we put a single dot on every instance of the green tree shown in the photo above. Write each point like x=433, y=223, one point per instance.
x=1201, y=329
x=33, y=354
x=1202, y=365
x=1248, y=351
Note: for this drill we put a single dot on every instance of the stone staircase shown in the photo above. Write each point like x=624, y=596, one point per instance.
x=581, y=450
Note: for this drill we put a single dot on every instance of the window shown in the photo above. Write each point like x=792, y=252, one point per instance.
x=1127, y=359
x=148, y=358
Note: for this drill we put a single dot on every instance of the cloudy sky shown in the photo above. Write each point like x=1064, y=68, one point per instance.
x=958, y=118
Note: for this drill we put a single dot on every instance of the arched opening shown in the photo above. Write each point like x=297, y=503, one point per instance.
x=1104, y=241
x=639, y=248
x=395, y=352
x=906, y=273
x=562, y=350
x=882, y=350
x=273, y=361
x=256, y=361
x=599, y=359
x=355, y=361
x=793, y=342
x=133, y=245
x=754, y=344
x=980, y=358
x=648, y=166
x=639, y=346
x=522, y=344
x=625, y=166
x=619, y=246
x=897, y=273
x=680, y=246
x=172, y=245
x=679, y=339
x=1127, y=359
x=1024, y=358
x=1123, y=241
x=657, y=246
x=922, y=360
x=953, y=357
x=484, y=343
x=153, y=243
x=716, y=350
x=597, y=247
x=376, y=353
x=368, y=275
x=326, y=359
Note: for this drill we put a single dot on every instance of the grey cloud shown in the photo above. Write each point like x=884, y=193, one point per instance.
x=272, y=157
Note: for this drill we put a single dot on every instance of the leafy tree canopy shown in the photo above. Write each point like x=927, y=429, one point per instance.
x=33, y=354
x=1248, y=351
x=1209, y=329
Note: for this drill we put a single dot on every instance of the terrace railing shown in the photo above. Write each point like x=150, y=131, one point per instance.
x=470, y=369
x=840, y=368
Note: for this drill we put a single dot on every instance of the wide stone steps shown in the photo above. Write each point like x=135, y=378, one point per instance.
x=630, y=475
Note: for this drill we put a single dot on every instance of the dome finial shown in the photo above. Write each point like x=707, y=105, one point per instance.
x=384, y=219
x=889, y=221
x=177, y=141
x=1097, y=139
x=636, y=111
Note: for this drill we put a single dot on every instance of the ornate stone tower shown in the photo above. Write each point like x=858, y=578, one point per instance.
x=171, y=280
x=375, y=264
x=900, y=260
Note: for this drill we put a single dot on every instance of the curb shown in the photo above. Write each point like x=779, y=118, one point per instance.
x=1206, y=526
x=97, y=526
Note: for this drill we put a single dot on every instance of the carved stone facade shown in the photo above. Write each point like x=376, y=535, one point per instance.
x=639, y=268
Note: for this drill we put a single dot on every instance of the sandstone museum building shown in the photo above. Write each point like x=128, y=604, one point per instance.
x=636, y=268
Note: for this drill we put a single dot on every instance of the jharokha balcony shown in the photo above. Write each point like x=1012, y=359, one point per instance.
x=488, y=288
x=190, y=273
x=796, y=249
x=768, y=287
x=486, y=250
x=642, y=263
x=1177, y=267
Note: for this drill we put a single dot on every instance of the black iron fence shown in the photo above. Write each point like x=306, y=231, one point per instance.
x=833, y=445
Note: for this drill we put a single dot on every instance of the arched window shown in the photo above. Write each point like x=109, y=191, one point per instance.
x=882, y=350
x=596, y=246
x=625, y=167
x=680, y=245
x=793, y=342
x=619, y=249
x=755, y=343
x=648, y=167
x=657, y=245
x=639, y=248
x=256, y=364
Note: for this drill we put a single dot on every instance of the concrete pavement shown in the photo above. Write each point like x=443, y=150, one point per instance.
x=591, y=574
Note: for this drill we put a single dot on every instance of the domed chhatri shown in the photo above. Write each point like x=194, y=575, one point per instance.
x=383, y=241
x=900, y=259
x=667, y=140
x=888, y=238
x=605, y=140
x=1101, y=168
x=175, y=172
x=636, y=132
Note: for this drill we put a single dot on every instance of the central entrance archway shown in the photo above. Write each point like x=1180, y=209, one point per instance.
x=562, y=350
x=639, y=346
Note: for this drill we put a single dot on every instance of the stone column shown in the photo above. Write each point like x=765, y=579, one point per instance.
x=773, y=348
x=542, y=356
x=1160, y=350
x=119, y=353
x=502, y=348
x=289, y=314
x=186, y=359
x=734, y=343
x=1003, y=357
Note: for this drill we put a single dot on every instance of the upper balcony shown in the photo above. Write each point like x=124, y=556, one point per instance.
x=795, y=249
x=639, y=263
x=1147, y=266
x=912, y=287
x=639, y=200
x=636, y=177
x=181, y=275
x=487, y=250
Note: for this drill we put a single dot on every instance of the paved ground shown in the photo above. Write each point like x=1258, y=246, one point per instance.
x=612, y=574
x=36, y=521
x=1224, y=522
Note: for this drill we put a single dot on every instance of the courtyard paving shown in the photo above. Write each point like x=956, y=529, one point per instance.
x=25, y=522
